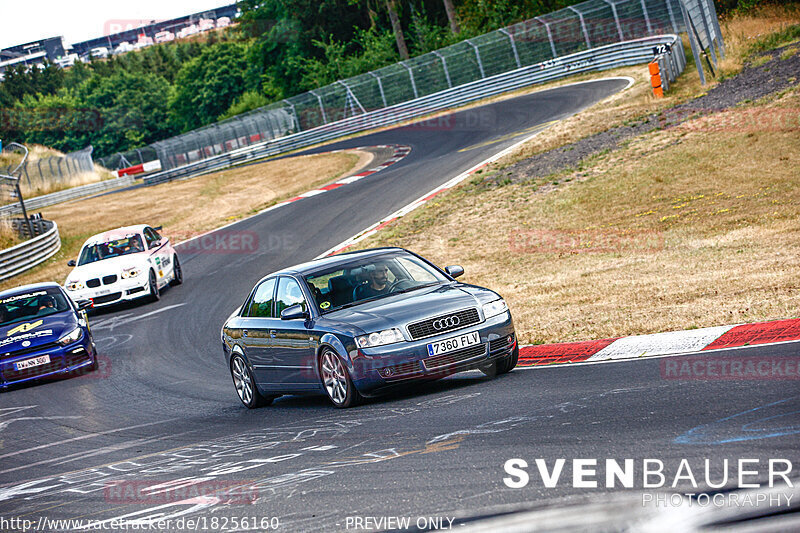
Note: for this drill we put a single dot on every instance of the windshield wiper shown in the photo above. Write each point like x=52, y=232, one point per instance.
x=357, y=302
x=417, y=287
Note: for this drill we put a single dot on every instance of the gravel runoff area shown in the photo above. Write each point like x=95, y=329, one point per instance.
x=753, y=83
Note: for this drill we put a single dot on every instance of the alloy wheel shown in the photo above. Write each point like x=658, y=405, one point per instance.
x=242, y=381
x=334, y=377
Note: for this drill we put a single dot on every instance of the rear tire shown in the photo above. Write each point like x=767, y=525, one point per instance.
x=177, y=272
x=245, y=384
x=336, y=381
x=153, y=283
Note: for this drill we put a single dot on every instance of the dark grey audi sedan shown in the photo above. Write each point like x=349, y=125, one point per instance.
x=355, y=324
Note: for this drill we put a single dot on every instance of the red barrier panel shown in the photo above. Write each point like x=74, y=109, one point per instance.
x=136, y=169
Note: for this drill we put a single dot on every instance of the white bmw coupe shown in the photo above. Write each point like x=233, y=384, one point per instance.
x=123, y=264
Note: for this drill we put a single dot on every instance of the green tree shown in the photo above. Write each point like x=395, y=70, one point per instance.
x=134, y=109
x=206, y=86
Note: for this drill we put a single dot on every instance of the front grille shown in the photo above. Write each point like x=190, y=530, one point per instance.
x=16, y=375
x=108, y=280
x=424, y=328
x=107, y=298
x=30, y=349
x=400, y=370
x=92, y=283
x=501, y=343
x=440, y=361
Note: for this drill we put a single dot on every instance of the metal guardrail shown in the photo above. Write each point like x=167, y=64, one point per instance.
x=615, y=55
x=74, y=193
x=32, y=252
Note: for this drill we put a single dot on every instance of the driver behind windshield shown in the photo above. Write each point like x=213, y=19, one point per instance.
x=377, y=283
x=46, y=303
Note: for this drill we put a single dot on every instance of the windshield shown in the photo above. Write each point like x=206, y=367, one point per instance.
x=369, y=279
x=34, y=304
x=97, y=252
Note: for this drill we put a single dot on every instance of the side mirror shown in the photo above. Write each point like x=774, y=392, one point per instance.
x=293, y=312
x=454, y=270
x=156, y=244
x=71, y=263
x=84, y=304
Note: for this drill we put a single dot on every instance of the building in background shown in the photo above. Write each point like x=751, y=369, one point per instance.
x=144, y=35
x=33, y=53
x=54, y=50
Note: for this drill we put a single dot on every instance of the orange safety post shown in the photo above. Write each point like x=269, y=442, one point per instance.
x=655, y=79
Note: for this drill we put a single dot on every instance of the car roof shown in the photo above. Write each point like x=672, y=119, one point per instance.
x=333, y=261
x=29, y=288
x=113, y=234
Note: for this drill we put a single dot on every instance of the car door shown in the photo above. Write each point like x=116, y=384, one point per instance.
x=257, y=324
x=292, y=346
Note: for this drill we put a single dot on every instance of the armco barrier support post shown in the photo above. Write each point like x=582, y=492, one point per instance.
x=694, y=44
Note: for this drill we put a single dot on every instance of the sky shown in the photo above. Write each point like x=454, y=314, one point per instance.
x=23, y=21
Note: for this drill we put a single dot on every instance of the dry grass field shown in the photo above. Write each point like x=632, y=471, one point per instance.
x=686, y=227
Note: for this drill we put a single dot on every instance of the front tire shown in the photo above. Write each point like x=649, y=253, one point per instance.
x=336, y=381
x=245, y=384
x=507, y=365
x=177, y=273
x=491, y=370
x=153, y=283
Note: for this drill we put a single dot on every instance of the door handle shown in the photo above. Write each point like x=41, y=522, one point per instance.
x=272, y=333
x=244, y=333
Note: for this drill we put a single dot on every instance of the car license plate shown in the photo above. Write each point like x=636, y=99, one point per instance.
x=102, y=292
x=36, y=361
x=454, y=343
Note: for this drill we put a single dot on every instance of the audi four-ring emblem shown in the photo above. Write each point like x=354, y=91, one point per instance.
x=446, y=323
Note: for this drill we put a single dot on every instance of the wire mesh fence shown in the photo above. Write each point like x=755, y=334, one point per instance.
x=13, y=157
x=41, y=172
x=583, y=26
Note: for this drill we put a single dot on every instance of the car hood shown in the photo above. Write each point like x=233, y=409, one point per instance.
x=36, y=331
x=401, y=309
x=113, y=265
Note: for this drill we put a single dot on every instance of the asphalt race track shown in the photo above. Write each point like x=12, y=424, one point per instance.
x=163, y=408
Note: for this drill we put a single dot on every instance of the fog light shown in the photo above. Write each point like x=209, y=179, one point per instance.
x=510, y=339
x=386, y=372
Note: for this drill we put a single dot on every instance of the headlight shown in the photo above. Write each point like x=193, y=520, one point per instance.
x=70, y=337
x=379, y=338
x=75, y=285
x=494, y=308
x=130, y=273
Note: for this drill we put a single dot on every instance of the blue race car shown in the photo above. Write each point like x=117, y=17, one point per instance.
x=43, y=334
x=355, y=324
